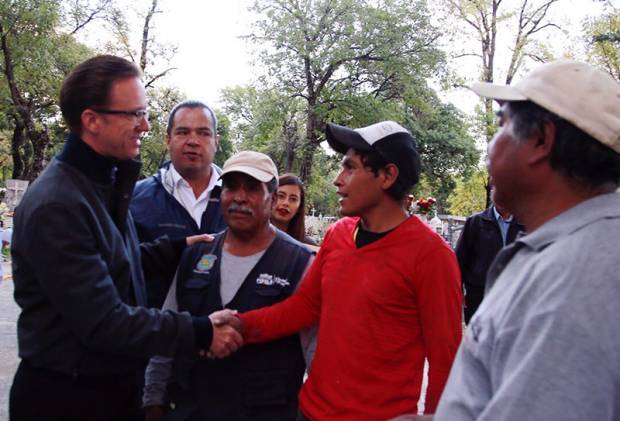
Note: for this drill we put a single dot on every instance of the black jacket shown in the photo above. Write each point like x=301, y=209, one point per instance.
x=77, y=271
x=479, y=243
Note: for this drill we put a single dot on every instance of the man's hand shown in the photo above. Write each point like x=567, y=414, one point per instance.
x=226, y=340
x=226, y=334
x=193, y=239
x=226, y=317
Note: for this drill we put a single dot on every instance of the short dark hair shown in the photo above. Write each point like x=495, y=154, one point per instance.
x=376, y=162
x=297, y=226
x=190, y=103
x=89, y=85
x=575, y=154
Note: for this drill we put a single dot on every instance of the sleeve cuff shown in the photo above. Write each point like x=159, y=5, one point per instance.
x=178, y=245
x=203, y=329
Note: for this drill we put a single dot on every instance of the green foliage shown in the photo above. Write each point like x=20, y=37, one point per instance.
x=321, y=193
x=353, y=63
x=153, y=149
x=6, y=164
x=40, y=56
x=446, y=148
x=328, y=55
x=444, y=142
x=469, y=196
x=603, y=39
x=484, y=121
x=266, y=121
x=225, y=149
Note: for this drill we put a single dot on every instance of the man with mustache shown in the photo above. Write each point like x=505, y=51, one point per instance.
x=250, y=265
x=183, y=198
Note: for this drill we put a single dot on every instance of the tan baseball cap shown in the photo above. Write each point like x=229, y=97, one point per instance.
x=579, y=93
x=254, y=164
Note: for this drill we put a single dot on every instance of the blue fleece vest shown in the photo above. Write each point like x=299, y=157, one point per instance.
x=259, y=382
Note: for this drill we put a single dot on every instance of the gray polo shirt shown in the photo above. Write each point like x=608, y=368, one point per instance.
x=545, y=342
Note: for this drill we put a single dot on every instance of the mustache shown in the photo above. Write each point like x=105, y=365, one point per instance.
x=234, y=207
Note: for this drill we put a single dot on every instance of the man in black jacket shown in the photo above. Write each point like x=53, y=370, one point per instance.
x=483, y=236
x=83, y=332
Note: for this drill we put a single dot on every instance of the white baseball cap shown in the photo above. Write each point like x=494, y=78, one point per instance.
x=388, y=138
x=579, y=93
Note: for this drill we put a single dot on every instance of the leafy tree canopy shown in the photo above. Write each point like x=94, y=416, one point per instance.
x=35, y=56
x=329, y=52
x=602, y=35
x=469, y=196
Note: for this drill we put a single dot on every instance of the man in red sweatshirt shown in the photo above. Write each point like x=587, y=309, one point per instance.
x=384, y=288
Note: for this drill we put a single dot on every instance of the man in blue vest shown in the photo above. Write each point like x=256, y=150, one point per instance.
x=183, y=198
x=250, y=265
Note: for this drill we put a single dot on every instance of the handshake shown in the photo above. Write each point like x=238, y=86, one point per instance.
x=227, y=334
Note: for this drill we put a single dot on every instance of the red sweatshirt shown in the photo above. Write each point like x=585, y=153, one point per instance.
x=381, y=310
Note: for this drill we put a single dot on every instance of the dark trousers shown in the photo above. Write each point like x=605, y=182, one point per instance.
x=41, y=394
x=473, y=297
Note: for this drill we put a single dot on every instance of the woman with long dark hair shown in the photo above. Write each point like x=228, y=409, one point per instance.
x=289, y=213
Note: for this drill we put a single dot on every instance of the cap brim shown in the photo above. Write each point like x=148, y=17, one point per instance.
x=260, y=175
x=498, y=92
x=341, y=139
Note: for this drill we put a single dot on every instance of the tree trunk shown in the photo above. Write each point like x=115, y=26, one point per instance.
x=291, y=139
x=312, y=142
x=24, y=123
x=40, y=142
x=16, y=143
x=144, y=46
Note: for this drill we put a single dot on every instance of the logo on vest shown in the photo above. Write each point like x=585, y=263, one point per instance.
x=266, y=279
x=206, y=262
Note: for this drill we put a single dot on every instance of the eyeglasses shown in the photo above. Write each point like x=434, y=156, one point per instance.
x=137, y=114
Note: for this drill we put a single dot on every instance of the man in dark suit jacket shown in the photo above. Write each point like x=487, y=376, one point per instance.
x=83, y=331
x=483, y=236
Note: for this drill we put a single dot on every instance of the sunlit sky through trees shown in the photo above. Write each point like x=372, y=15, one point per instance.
x=211, y=54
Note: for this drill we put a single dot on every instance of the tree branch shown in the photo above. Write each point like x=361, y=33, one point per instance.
x=145, y=36
x=94, y=14
x=158, y=76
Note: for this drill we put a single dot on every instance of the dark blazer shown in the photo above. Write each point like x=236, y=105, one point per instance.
x=478, y=245
x=78, y=275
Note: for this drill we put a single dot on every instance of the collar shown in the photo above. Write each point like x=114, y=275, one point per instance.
x=500, y=218
x=171, y=179
x=79, y=155
x=584, y=214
